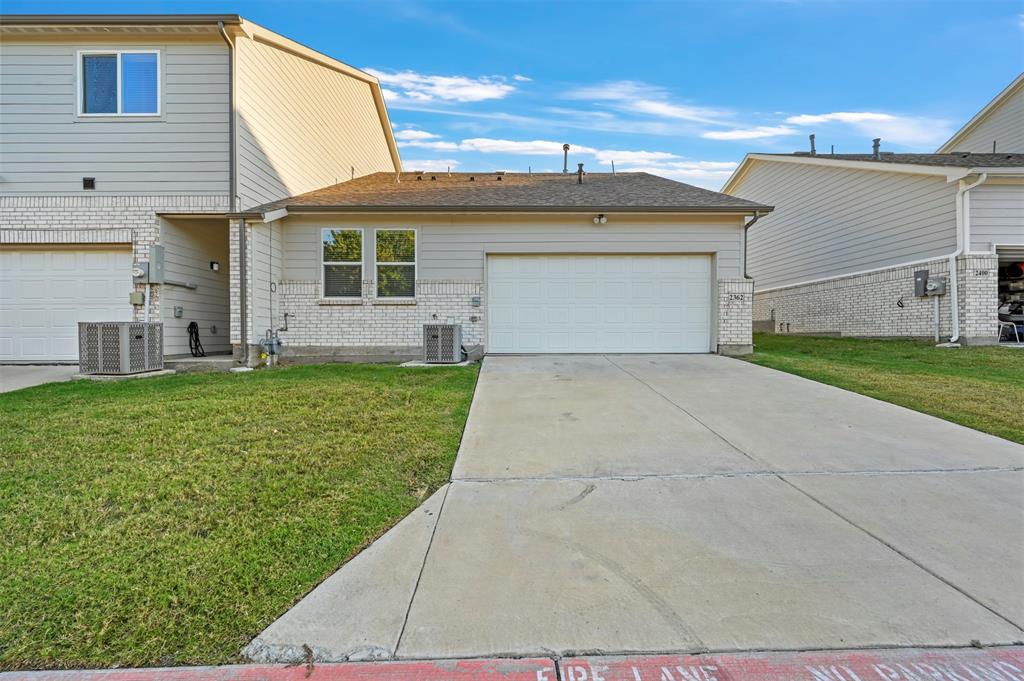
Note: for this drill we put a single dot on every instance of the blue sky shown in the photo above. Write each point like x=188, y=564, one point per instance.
x=682, y=89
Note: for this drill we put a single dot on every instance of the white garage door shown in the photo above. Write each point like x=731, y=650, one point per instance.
x=598, y=303
x=44, y=294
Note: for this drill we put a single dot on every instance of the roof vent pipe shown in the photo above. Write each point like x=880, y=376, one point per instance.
x=579, y=174
x=565, y=159
x=814, y=151
x=875, y=145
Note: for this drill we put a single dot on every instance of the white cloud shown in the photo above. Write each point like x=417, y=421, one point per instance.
x=620, y=157
x=410, y=86
x=521, y=78
x=908, y=131
x=840, y=117
x=707, y=174
x=437, y=164
x=414, y=135
x=757, y=132
x=642, y=98
x=487, y=145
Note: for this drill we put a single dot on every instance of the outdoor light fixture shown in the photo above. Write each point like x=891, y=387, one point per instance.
x=215, y=266
x=600, y=219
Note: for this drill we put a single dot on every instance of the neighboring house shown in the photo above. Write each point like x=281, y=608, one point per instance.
x=839, y=254
x=118, y=133
x=526, y=263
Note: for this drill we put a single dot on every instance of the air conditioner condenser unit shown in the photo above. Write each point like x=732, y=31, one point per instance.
x=119, y=348
x=442, y=343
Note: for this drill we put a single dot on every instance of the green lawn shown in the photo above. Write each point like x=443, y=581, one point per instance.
x=979, y=387
x=167, y=521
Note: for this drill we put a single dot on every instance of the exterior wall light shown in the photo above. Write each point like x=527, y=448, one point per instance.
x=215, y=266
x=600, y=219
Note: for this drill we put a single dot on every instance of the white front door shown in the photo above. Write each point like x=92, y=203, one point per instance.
x=598, y=303
x=44, y=294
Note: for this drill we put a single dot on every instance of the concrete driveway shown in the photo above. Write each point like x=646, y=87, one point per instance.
x=618, y=504
x=18, y=376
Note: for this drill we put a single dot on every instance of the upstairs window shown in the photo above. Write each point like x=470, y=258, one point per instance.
x=119, y=83
x=342, y=263
x=396, y=263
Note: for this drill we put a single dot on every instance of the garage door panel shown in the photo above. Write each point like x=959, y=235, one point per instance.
x=44, y=294
x=598, y=303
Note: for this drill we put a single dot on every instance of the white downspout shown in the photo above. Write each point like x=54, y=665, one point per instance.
x=963, y=234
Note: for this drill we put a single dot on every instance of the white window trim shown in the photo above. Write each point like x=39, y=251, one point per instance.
x=119, y=114
x=415, y=263
x=361, y=263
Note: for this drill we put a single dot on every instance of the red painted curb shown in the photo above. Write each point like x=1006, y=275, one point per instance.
x=967, y=664
x=447, y=670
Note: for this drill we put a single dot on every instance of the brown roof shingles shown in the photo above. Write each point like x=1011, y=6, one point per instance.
x=515, y=192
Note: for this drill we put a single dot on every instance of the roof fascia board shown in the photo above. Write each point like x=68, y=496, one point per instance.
x=951, y=143
x=497, y=210
x=117, y=19
x=951, y=173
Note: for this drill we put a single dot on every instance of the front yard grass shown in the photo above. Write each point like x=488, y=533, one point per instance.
x=978, y=387
x=167, y=521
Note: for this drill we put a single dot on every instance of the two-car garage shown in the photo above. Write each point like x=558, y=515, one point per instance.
x=599, y=303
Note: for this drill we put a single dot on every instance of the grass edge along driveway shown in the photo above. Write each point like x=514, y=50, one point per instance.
x=977, y=387
x=166, y=521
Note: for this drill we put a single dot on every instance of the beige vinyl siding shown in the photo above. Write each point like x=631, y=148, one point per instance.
x=455, y=249
x=301, y=126
x=1004, y=124
x=834, y=221
x=46, y=148
x=997, y=216
x=189, y=246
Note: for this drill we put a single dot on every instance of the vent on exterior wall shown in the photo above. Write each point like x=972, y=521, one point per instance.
x=120, y=347
x=442, y=343
x=88, y=183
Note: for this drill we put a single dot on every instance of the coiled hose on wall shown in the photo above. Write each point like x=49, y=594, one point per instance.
x=194, y=344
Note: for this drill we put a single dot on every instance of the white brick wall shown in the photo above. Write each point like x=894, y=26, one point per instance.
x=370, y=322
x=98, y=219
x=735, y=305
x=883, y=304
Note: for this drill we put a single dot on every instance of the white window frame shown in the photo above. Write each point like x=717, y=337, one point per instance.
x=415, y=263
x=361, y=263
x=80, y=107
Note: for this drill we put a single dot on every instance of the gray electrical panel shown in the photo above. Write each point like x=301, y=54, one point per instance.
x=921, y=283
x=156, y=264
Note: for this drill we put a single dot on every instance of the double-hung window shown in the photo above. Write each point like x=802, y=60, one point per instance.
x=342, y=257
x=119, y=83
x=395, y=258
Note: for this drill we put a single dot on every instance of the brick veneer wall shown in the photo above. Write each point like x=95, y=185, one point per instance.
x=735, y=307
x=98, y=219
x=883, y=304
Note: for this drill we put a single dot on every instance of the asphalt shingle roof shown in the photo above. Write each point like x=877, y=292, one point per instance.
x=953, y=160
x=516, y=192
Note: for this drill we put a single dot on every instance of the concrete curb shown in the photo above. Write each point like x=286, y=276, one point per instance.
x=899, y=664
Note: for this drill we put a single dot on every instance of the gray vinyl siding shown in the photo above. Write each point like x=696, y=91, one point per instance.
x=46, y=148
x=266, y=272
x=456, y=251
x=189, y=246
x=1004, y=125
x=997, y=216
x=833, y=221
x=301, y=126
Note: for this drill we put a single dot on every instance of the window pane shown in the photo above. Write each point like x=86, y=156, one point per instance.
x=99, y=83
x=343, y=281
x=343, y=245
x=396, y=245
x=396, y=281
x=138, y=83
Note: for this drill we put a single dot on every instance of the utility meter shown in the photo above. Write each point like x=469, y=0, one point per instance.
x=935, y=287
